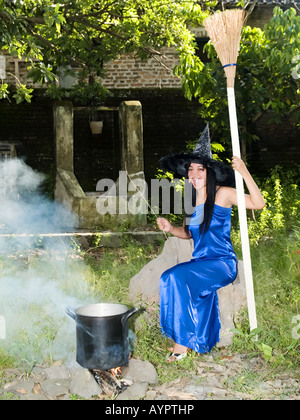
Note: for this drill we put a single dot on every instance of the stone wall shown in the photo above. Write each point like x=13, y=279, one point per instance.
x=169, y=121
x=95, y=208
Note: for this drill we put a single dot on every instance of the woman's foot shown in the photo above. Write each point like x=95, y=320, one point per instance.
x=178, y=353
x=175, y=357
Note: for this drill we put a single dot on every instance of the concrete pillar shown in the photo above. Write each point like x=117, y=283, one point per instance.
x=131, y=129
x=63, y=135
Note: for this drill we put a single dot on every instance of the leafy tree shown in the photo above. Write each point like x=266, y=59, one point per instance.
x=86, y=33
x=267, y=77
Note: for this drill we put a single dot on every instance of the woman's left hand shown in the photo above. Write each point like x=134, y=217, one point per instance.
x=254, y=200
x=239, y=165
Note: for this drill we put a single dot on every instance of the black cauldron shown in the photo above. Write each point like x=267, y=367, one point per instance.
x=102, y=335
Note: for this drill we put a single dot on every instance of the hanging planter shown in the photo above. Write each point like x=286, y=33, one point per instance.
x=96, y=122
x=96, y=127
x=91, y=95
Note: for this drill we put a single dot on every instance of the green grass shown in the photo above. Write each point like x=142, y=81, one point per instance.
x=114, y=267
x=103, y=274
x=276, y=274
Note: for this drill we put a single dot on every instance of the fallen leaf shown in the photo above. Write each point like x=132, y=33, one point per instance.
x=21, y=391
x=36, y=388
x=200, y=370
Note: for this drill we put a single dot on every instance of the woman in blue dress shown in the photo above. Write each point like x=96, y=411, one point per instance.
x=189, y=312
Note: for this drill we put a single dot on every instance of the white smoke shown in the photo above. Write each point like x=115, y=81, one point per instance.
x=39, y=277
x=23, y=208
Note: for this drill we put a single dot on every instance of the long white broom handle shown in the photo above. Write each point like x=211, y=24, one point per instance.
x=242, y=211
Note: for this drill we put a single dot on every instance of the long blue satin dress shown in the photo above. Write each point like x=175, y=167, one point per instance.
x=189, y=310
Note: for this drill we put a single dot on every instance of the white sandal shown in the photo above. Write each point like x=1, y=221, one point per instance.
x=177, y=357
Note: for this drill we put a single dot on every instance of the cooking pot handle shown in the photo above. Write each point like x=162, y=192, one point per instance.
x=128, y=314
x=71, y=312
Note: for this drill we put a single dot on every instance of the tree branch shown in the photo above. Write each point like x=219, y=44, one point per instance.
x=54, y=48
x=85, y=22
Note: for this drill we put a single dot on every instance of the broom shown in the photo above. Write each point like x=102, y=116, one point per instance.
x=224, y=30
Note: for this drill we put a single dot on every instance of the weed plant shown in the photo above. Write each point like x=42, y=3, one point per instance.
x=116, y=266
x=276, y=274
x=274, y=235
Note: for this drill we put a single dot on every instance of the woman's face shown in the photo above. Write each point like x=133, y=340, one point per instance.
x=197, y=175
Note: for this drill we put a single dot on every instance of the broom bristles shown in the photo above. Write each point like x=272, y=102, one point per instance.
x=224, y=30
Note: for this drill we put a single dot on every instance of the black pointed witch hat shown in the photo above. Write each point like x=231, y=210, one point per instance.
x=178, y=163
x=202, y=146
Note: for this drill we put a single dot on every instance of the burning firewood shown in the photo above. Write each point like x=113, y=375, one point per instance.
x=109, y=381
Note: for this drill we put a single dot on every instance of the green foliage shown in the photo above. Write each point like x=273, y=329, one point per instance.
x=84, y=34
x=4, y=92
x=276, y=273
x=40, y=73
x=23, y=93
x=82, y=93
x=274, y=236
x=282, y=197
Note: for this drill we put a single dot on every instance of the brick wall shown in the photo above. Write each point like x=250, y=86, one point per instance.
x=126, y=72
x=130, y=72
x=17, y=70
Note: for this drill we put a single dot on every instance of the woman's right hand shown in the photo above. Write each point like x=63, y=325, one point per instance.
x=164, y=224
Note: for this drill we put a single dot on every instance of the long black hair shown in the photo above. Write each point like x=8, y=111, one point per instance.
x=211, y=184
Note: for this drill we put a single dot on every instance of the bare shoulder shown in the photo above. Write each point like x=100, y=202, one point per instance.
x=225, y=197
